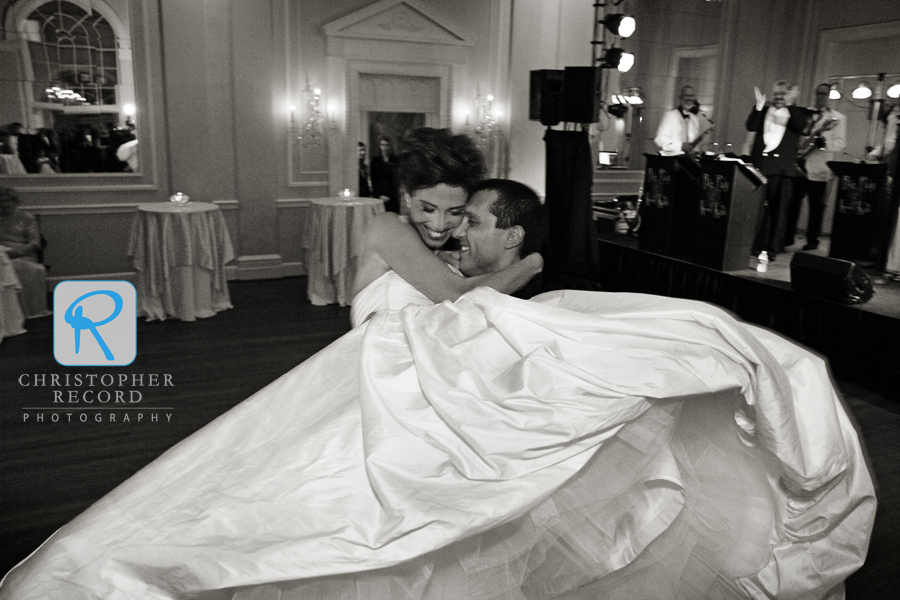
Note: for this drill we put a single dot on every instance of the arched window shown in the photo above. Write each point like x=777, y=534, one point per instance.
x=73, y=55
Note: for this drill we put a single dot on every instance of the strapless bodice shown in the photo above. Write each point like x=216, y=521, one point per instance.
x=388, y=292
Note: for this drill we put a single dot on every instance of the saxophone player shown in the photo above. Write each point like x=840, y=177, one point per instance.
x=682, y=129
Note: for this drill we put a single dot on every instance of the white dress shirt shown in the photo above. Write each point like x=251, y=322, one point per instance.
x=835, y=142
x=774, y=127
x=676, y=129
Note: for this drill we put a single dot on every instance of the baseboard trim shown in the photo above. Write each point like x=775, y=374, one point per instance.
x=248, y=268
x=293, y=269
x=259, y=266
x=129, y=276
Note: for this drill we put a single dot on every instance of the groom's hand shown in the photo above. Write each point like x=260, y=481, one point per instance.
x=535, y=261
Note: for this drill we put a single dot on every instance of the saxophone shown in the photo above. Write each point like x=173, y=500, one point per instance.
x=816, y=141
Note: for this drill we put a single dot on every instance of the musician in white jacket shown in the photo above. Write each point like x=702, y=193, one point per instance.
x=826, y=139
x=682, y=128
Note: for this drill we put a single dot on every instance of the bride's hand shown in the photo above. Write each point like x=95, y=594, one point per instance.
x=449, y=257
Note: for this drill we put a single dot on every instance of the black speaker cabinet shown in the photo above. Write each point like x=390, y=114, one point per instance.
x=830, y=278
x=545, y=96
x=581, y=95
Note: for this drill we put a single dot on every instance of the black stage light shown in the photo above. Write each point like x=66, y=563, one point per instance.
x=617, y=58
x=617, y=110
x=619, y=24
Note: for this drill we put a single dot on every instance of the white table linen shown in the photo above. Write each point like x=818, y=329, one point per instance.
x=10, y=164
x=179, y=253
x=336, y=243
x=12, y=319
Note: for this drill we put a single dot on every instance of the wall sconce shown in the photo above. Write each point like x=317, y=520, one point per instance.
x=332, y=117
x=486, y=127
x=310, y=133
x=129, y=111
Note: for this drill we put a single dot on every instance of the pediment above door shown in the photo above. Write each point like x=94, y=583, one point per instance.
x=398, y=20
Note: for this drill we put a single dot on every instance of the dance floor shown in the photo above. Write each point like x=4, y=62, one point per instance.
x=51, y=472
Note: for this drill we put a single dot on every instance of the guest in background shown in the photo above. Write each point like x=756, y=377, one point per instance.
x=365, y=186
x=14, y=131
x=44, y=163
x=21, y=239
x=778, y=126
x=383, y=169
x=48, y=142
x=127, y=153
x=682, y=129
x=827, y=137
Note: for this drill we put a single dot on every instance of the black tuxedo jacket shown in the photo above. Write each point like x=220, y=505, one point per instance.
x=783, y=159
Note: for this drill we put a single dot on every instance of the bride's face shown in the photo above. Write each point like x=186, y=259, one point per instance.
x=435, y=212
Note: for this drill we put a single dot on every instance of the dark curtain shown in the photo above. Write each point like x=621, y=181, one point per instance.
x=859, y=344
x=572, y=259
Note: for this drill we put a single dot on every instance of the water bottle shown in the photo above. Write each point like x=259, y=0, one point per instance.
x=763, y=265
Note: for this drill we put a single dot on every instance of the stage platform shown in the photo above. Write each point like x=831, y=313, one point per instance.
x=861, y=342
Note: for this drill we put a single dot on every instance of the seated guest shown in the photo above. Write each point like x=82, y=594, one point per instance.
x=21, y=239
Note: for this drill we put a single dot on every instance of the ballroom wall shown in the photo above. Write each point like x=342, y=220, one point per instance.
x=215, y=79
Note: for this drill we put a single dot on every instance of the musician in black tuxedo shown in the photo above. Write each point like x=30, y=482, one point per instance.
x=778, y=126
x=826, y=135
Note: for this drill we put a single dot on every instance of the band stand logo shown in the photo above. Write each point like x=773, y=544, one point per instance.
x=94, y=323
x=658, y=181
x=713, y=188
x=855, y=194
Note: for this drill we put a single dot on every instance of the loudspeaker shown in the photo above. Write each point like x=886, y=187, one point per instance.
x=581, y=95
x=830, y=278
x=545, y=96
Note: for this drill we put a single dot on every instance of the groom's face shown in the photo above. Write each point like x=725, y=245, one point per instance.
x=482, y=245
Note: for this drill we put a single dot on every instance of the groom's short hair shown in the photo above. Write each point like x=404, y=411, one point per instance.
x=518, y=204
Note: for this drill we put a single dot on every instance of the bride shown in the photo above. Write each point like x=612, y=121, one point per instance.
x=579, y=445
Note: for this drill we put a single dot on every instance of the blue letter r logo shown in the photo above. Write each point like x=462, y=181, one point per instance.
x=79, y=322
x=94, y=323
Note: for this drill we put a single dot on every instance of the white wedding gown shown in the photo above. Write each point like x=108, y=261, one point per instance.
x=580, y=445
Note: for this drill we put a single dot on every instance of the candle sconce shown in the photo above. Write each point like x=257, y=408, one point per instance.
x=310, y=132
x=486, y=127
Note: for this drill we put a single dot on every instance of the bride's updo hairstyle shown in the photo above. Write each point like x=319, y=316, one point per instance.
x=434, y=156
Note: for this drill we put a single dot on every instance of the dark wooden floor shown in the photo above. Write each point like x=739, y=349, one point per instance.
x=50, y=472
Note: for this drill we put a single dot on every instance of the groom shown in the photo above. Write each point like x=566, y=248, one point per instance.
x=504, y=222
